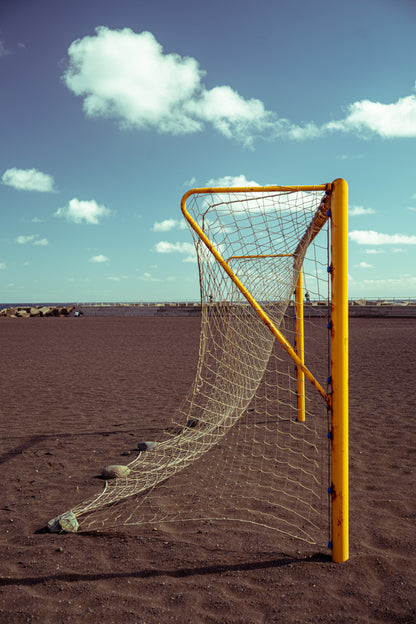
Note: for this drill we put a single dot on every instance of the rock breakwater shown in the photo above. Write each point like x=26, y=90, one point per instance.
x=33, y=311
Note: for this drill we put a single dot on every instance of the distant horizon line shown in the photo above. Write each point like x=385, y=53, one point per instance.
x=160, y=302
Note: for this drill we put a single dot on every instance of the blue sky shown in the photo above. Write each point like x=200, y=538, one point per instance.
x=110, y=111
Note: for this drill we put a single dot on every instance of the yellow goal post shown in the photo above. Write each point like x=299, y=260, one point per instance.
x=334, y=206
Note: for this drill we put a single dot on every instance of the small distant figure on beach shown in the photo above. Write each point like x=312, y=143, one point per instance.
x=79, y=313
x=307, y=298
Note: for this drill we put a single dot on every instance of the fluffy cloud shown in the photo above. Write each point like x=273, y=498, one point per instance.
x=387, y=120
x=100, y=258
x=166, y=92
x=308, y=131
x=2, y=266
x=394, y=120
x=229, y=113
x=402, y=280
x=79, y=211
x=369, y=237
x=355, y=211
x=168, y=224
x=157, y=90
x=32, y=238
x=164, y=247
x=22, y=239
x=364, y=265
x=148, y=277
x=28, y=180
x=230, y=181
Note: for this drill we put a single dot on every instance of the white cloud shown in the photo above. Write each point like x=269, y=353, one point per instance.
x=166, y=92
x=230, y=113
x=79, y=211
x=401, y=280
x=231, y=181
x=188, y=249
x=148, y=277
x=364, y=237
x=413, y=208
x=32, y=238
x=308, y=131
x=168, y=224
x=28, y=180
x=99, y=258
x=355, y=211
x=22, y=239
x=2, y=266
x=364, y=265
x=394, y=120
x=374, y=251
x=166, y=247
x=157, y=90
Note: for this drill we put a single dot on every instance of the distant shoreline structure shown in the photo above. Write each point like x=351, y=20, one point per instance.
x=357, y=308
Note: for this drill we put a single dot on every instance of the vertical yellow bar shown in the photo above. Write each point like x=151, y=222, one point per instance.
x=339, y=369
x=300, y=348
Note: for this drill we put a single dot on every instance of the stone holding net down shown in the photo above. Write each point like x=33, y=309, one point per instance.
x=246, y=457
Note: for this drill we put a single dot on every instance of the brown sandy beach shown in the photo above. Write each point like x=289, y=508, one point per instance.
x=75, y=393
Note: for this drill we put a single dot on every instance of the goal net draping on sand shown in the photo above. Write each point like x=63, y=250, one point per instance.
x=238, y=433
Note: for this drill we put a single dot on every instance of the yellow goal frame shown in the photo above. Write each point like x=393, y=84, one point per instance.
x=334, y=207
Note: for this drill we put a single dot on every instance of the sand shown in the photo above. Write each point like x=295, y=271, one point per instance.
x=75, y=392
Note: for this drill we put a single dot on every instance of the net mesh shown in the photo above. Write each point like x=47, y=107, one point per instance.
x=247, y=458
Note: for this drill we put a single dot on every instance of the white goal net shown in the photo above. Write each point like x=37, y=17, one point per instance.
x=235, y=449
